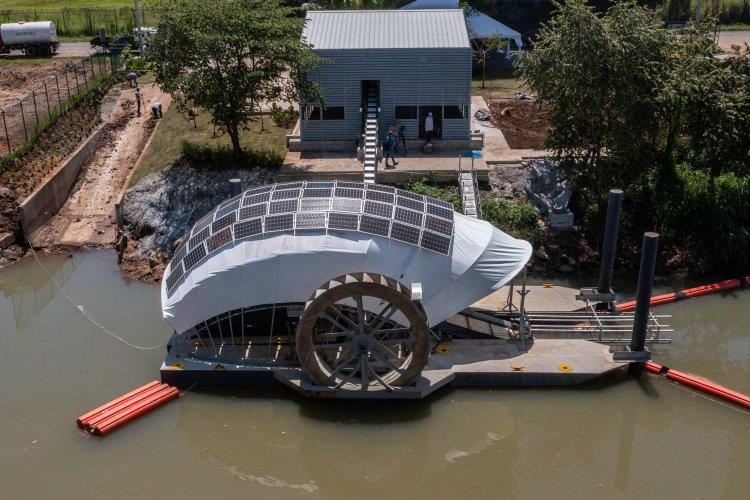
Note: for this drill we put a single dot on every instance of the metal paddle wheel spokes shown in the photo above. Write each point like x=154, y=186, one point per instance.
x=362, y=332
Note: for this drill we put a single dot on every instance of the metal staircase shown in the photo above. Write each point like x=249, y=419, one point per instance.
x=467, y=181
x=371, y=135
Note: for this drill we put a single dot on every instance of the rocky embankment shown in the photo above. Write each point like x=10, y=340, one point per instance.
x=159, y=210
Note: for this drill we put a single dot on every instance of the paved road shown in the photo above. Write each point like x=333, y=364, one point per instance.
x=729, y=38
x=75, y=49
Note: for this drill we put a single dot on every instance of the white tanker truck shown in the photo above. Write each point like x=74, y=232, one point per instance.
x=33, y=38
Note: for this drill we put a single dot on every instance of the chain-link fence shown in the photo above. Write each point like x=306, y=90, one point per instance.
x=20, y=120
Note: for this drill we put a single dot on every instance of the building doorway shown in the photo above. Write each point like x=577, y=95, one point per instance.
x=437, y=118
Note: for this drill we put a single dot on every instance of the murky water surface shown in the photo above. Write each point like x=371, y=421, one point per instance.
x=650, y=439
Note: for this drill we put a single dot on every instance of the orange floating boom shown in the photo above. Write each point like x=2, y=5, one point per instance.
x=700, y=384
x=126, y=408
x=81, y=421
x=687, y=293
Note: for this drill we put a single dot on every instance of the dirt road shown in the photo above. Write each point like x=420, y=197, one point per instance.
x=729, y=38
x=87, y=220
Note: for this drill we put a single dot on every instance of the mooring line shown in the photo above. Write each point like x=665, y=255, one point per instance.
x=81, y=310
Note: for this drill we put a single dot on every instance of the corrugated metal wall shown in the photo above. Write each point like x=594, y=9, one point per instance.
x=423, y=77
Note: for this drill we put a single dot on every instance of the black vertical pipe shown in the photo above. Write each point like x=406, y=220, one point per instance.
x=609, y=247
x=645, y=285
x=235, y=186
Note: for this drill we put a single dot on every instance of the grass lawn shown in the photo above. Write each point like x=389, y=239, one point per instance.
x=165, y=146
x=498, y=85
x=735, y=27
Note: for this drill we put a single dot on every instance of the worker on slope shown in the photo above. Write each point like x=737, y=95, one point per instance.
x=429, y=126
x=132, y=80
x=156, y=110
x=138, y=101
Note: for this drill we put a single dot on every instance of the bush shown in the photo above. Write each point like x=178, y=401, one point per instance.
x=223, y=156
x=283, y=117
x=520, y=220
x=427, y=186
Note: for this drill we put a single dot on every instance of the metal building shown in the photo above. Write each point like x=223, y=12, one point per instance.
x=388, y=65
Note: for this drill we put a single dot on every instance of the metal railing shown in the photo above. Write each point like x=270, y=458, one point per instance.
x=20, y=120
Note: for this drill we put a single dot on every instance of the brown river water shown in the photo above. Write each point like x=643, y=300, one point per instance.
x=623, y=438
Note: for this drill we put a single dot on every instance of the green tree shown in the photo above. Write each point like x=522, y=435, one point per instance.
x=482, y=47
x=230, y=56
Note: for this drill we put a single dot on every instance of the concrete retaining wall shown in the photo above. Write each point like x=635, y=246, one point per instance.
x=52, y=194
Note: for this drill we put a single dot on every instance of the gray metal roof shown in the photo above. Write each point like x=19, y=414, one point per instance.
x=386, y=29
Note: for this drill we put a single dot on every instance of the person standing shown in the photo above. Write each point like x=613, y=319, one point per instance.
x=138, y=101
x=429, y=126
x=390, y=150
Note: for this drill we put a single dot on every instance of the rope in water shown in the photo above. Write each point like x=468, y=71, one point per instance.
x=81, y=310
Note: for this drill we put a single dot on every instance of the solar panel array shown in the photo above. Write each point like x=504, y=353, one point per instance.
x=302, y=207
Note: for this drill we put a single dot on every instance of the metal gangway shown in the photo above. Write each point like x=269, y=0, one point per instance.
x=467, y=181
x=371, y=136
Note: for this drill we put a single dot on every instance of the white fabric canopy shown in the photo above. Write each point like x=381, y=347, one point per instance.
x=289, y=268
x=480, y=25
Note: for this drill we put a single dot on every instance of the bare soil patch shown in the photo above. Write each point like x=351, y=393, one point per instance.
x=18, y=78
x=523, y=123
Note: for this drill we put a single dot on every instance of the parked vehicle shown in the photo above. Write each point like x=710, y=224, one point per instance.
x=33, y=38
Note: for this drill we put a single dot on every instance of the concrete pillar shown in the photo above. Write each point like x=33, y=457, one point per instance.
x=643, y=297
x=235, y=187
x=609, y=248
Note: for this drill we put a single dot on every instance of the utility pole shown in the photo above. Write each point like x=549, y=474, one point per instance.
x=698, y=11
x=139, y=25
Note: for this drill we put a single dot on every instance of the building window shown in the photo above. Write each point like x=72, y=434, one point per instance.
x=329, y=113
x=455, y=112
x=406, y=112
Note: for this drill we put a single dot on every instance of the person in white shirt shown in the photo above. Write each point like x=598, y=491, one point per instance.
x=429, y=126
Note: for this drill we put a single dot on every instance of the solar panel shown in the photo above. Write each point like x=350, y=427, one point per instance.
x=438, y=225
x=195, y=240
x=174, y=276
x=320, y=184
x=307, y=220
x=435, y=242
x=343, y=192
x=202, y=223
x=378, y=196
x=231, y=201
x=445, y=213
x=374, y=225
x=440, y=203
x=314, y=204
x=316, y=192
x=410, y=203
x=346, y=184
x=346, y=205
x=380, y=187
x=408, y=194
x=225, y=221
x=407, y=234
x=194, y=257
x=180, y=253
x=289, y=185
x=256, y=198
x=275, y=223
x=409, y=216
x=283, y=206
x=253, y=211
x=379, y=209
x=286, y=194
x=219, y=239
x=261, y=189
x=248, y=228
x=346, y=222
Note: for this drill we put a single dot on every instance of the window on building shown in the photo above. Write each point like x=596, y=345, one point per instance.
x=406, y=112
x=455, y=112
x=329, y=113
